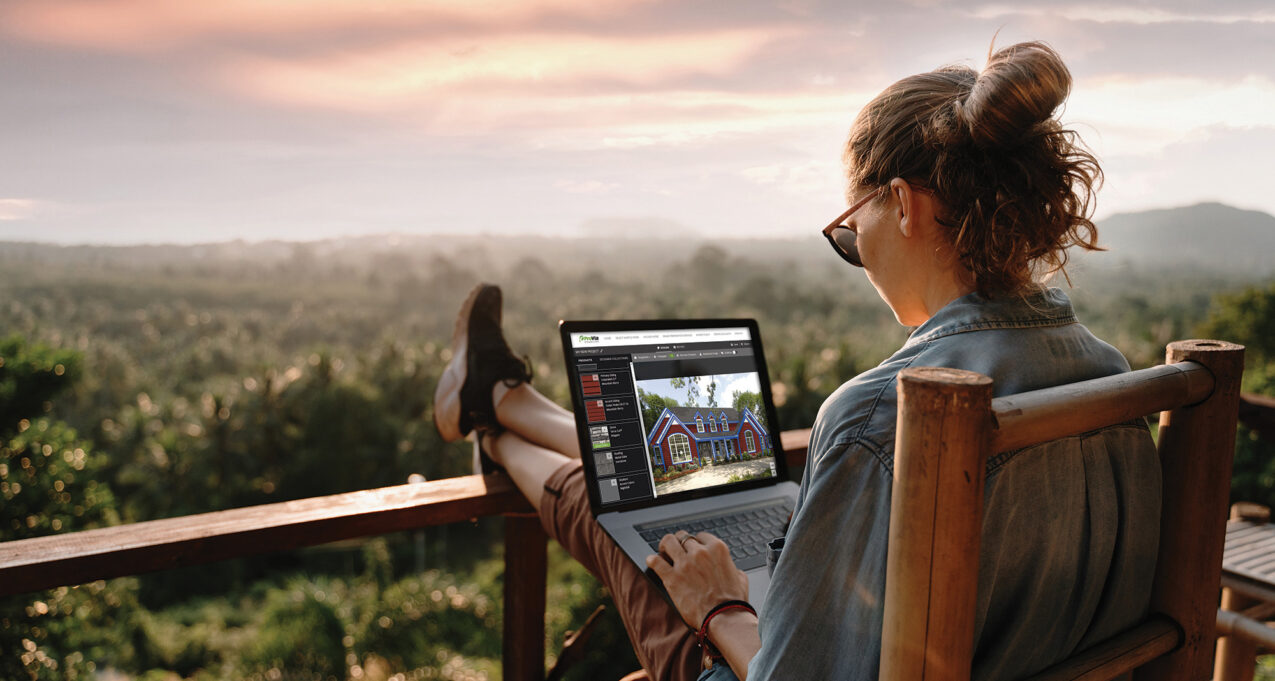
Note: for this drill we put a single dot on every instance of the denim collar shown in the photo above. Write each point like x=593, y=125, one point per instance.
x=973, y=312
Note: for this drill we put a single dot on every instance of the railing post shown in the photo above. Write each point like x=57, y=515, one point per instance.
x=523, y=656
x=1236, y=657
x=936, y=512
x=1197, y=445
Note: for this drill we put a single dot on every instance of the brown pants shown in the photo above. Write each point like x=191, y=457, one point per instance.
x=665, y=646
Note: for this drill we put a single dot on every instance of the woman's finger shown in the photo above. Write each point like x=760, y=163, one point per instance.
x=709, y=539
x=659, y=564
x=713, y=544
x=671, y=546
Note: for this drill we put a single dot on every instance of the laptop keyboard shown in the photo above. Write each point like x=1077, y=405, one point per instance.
x=746, y=530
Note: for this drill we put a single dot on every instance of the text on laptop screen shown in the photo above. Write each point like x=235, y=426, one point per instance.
x=671, y=411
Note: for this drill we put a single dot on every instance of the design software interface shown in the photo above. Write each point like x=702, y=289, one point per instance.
x=671, y=411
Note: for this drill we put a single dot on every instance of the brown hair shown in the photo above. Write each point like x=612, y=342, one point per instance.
x=1016, y=188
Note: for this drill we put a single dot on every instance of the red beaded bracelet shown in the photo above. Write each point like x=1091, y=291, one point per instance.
x=702, y=635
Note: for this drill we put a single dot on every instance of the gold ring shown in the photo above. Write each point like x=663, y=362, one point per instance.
x=683, y=540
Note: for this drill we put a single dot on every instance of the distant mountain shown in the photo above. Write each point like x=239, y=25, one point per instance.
x=1206, y=236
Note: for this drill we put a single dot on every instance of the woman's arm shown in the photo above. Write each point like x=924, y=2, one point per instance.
x=698, y=574
x=735, y=635
x=825, y=604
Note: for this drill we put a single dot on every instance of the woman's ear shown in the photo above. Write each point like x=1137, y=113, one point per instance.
x=907, y=210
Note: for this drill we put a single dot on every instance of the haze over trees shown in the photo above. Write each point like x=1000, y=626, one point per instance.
x=155, y=381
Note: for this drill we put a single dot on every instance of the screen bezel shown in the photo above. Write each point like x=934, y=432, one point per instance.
x=567, y=328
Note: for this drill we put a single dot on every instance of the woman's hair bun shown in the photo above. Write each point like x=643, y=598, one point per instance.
x=1020, y=87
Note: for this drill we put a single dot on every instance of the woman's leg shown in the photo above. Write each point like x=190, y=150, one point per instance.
x=537, y=418
x=555, y=486
x=528, y=464
x=539, y=451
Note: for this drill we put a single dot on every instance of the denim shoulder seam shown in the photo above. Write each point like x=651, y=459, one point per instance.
x=1033, y=323
x=876, y=400
x=997, y=462
x=872, y=446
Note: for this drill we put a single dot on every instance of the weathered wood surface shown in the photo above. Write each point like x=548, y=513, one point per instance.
x=78, y=557
x=1254, y=633
x=1119, y=654
x=1196, y=445
x=1238, y=636
x=795, y=443
x=1042, y=415
x=523, y=657
x=936, y=512
x=1240, y=618
x=940, y=429
x=1250, y=551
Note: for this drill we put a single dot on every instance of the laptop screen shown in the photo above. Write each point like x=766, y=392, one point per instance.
x=672, y=412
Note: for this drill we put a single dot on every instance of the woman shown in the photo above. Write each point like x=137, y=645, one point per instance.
x=965, y=191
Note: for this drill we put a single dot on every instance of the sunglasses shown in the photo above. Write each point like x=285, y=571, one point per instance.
x=843, y=239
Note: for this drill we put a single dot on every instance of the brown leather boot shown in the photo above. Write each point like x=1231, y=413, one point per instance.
x=480, y=358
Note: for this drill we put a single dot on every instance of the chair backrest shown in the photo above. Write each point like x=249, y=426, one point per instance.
x=947, y=427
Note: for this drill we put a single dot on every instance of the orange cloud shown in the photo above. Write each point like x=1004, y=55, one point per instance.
x=147, y=25
x=406, y=73
x=530, y=74
x=17, y=209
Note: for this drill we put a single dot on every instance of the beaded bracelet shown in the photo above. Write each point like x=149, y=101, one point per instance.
x=702, y=635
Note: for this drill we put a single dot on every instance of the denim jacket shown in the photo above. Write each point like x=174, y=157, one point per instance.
x=1070, y=528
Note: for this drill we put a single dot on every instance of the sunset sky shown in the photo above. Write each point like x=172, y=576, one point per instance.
x=129, y=121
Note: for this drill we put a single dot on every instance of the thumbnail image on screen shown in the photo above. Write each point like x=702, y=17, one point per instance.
x=703, y=431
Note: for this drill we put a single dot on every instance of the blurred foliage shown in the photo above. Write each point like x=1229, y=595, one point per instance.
x=300, y=632
x=49, y=482
x=1247, y=317
x=141, y=383
x=30, y=375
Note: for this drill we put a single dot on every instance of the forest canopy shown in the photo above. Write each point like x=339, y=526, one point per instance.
x=160, y=381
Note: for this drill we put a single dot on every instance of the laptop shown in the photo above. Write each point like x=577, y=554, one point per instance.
x=677, y=430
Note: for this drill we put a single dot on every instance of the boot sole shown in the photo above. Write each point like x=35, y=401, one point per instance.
x=447, y=396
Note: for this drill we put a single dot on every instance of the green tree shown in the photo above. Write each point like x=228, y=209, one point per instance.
x=30, y=376
x=692, y=389
x=751, y=401
x=300, y=632
x=1248, y=318
x=652, y=406
x=49, y=483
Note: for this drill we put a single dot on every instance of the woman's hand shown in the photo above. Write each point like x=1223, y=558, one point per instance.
x=698, y=573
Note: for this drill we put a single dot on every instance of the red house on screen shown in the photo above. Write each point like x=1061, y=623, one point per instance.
x=703, y=435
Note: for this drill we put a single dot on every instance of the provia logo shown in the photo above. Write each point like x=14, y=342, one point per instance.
x=587, y=339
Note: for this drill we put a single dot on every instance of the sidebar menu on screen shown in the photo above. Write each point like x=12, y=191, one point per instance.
x=614, y=420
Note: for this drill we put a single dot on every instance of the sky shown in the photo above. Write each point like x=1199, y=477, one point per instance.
x=182, y=121
x=727, y=386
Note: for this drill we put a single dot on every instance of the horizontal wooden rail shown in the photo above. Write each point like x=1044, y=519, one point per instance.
x=1119, y=654
x=1030, y=418
x=78, y=557
x=795, y=443
x=1236, y=624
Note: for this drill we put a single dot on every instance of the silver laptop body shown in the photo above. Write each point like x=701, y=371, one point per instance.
x=677, y=430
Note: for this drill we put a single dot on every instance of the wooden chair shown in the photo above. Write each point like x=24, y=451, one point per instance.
x=948, y=426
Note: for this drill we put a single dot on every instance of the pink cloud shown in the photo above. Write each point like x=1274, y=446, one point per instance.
x=149, y=25
x=17, y=209
x=524, y=62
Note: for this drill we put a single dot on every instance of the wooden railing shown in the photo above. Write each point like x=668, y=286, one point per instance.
x=79, y=557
